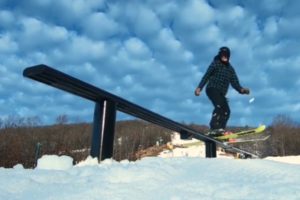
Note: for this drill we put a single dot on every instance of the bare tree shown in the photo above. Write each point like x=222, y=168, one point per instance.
x=284, y=136
x=62, y=119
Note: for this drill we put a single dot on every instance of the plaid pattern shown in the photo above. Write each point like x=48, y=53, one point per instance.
x=219, y=76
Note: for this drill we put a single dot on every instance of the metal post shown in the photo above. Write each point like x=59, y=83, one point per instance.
x=211, y=149
x=37, y=153
x=103, y=130
x=184, y=135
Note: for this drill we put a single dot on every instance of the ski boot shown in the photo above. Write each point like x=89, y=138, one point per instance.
x=216, y=132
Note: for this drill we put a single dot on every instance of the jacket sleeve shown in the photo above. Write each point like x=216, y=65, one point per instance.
x=206, y=76
x=234, y=81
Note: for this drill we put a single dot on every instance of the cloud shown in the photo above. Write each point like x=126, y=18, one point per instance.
x=36, y=35
x=100, y=26
x=6, y=19
x=195, y=14
x=7, y=45
x=271, y=27
x=137, y=48
x=146, y=22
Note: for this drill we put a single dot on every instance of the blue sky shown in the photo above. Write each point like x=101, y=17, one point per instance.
x=153, y=53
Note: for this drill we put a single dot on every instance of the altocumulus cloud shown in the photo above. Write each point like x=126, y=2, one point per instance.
x=151, y=52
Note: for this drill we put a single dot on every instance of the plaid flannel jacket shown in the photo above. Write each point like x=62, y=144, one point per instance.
x=219, y=76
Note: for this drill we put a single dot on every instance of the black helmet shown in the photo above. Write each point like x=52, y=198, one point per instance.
x=224, y=51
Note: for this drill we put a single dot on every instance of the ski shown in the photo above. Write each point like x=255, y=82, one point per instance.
x=221, y=143
x=234, y=135
x=227, y=147
x=241, y=140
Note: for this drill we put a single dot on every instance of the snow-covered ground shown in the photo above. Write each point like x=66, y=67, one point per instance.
x=170, y=178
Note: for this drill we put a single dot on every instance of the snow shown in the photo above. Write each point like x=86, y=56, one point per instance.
x=251, y=100
x=177, y=174
x=55, y=162
x=286, y=159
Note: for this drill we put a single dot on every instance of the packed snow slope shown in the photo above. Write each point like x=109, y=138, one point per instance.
x=175, y=178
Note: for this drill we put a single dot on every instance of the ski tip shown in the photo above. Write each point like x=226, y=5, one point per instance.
x=261, y=128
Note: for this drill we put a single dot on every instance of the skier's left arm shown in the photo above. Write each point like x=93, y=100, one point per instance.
x=236, y=84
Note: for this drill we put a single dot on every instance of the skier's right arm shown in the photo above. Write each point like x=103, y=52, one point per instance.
x=205, y=78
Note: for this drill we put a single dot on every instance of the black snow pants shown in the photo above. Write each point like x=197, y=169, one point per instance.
x=221, y=112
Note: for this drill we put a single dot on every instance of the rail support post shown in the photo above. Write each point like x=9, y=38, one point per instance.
x=210, y=149
x=103, y=130
x=184, y=135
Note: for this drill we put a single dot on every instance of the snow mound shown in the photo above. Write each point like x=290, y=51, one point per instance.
x=286, y=159
x=89, y=161
x=54, y=162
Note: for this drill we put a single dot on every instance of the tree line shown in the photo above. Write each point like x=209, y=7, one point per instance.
x=23, y=140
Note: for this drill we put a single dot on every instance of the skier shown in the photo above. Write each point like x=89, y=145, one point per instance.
x=218, y=76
